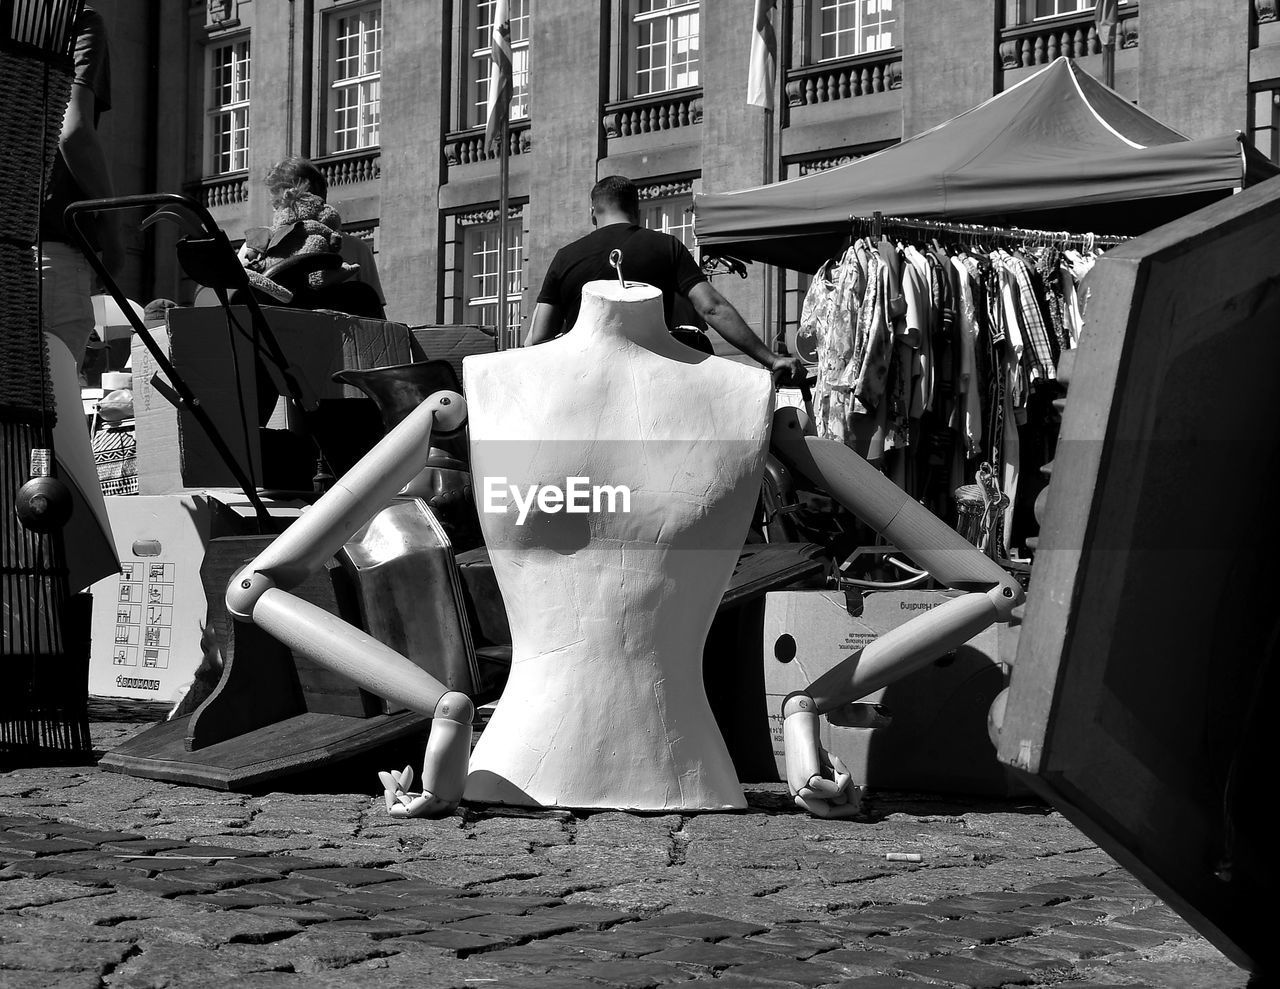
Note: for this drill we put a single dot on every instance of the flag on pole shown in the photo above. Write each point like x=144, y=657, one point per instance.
x=499, y=106
x=764, y=57
x=1105, y=16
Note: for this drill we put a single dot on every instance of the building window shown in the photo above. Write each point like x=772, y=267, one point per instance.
x=855, y=27
x=355, y=79
x=670, y=214
x=1036, y=10
x=1264, y=122
x=481, y=40
x=228, y=104
x=665, y=44
x=1056, y=8
x=480, y=272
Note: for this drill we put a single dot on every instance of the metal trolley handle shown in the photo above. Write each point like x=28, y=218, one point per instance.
x=219, y=266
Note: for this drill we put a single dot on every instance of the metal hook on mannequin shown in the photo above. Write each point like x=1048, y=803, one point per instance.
x=615, y=260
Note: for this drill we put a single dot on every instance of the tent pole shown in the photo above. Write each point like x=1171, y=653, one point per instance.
x=770, y=336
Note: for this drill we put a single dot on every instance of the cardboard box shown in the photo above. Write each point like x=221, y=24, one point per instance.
x=147, y=620
x=173, y=450
x=938, y=740
x=452, y=343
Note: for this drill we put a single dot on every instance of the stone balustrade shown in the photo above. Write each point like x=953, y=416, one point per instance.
x=348, y=168
x=663, y=111
x=1074, y=35
x=225, y=190
x=469, y=146
x=858, y=75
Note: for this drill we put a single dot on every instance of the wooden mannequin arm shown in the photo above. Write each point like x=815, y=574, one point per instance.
x=326, y=639
x=355, y=498
x=907, y=648
x=922, y=536
x=926, y=539
x=259, y=592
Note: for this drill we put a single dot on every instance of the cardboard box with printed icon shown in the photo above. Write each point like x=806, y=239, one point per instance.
x=937, y=740
x=148, y=619
x=213, y=350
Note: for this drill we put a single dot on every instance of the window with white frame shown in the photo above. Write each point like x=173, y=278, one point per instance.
x=665, y=48
x=481, y=35
x=855, y=27
x=355, y=79
x=1264, y=121
x=480, y=272
x=670, y=214
x=1041, y=9
x=228, y=106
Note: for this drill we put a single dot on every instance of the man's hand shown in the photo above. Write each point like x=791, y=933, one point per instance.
x=787, y=370
x=728, y=322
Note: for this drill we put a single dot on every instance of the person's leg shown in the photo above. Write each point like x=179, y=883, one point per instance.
x=66, y=284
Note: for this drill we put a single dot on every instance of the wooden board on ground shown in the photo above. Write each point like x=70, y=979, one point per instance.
x=1143, y=693
x=273, y=714
x=300, y=743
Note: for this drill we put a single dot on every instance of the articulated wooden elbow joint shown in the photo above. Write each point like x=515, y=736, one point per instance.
x=1005, y=597
x=456, y=707
x=450, y=412
x=244, y=591
x=798, y=702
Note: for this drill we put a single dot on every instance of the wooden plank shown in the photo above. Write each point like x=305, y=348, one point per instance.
x=303, y=742
x=1072, y=502
x=1141, y=694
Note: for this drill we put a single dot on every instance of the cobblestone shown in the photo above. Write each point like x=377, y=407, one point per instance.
x=193, y=888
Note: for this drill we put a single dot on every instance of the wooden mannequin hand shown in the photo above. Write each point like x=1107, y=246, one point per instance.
x=817, y=780
x=401, y=802
x=831, y=794
x=444, y=766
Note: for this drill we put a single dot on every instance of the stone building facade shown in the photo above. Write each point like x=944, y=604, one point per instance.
x=387, y=96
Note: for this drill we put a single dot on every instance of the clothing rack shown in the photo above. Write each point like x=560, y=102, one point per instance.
x=880, y=225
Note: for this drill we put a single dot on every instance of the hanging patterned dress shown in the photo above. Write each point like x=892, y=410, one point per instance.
x=828, y=313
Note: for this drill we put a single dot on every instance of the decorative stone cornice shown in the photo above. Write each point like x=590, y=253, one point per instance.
x=221, y=14
x=661, y=190
x=476, y=217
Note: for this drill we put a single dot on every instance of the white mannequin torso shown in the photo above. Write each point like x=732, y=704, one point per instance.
x=609, y=610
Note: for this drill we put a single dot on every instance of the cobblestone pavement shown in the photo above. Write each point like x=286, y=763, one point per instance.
x=108, y=880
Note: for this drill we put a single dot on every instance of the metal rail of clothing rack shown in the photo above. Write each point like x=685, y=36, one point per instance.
x=878, y=225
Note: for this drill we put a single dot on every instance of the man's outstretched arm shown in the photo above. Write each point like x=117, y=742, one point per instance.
x=545, y=324
x=721, y=316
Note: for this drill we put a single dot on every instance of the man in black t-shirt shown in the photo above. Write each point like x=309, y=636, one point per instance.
x=648, y=256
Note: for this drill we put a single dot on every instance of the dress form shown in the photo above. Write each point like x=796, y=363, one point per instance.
x=609, y=610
